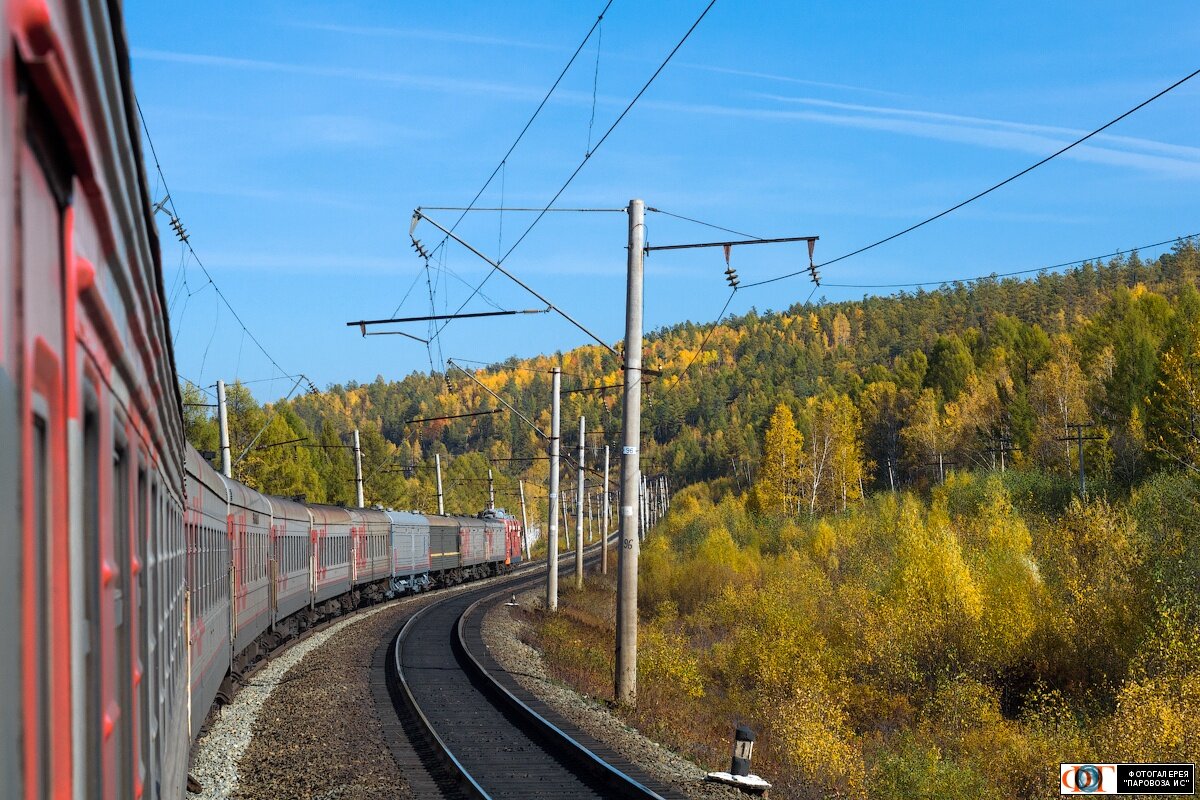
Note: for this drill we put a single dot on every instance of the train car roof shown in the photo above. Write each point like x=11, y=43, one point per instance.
x=329, y=515
x=286, y=508
x=243, y=496
x=199, y=469
x=407, y=518
x=369, y=515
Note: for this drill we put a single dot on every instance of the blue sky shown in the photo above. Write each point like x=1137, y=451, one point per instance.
x=297, y=138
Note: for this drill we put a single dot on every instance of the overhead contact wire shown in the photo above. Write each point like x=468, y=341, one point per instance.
x=987, y=191
x=580, y=167
x=192, y=250
x=529, y=123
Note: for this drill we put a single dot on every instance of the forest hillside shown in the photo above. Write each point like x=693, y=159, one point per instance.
x=970, y=375
x=880, y=554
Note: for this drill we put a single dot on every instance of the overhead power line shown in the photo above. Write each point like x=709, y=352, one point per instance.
x=608, y=132
x=1030, y=271
x=988, y=190
x=185, y=238
x=529, y=122
x=507, y=209
x=579, y=168
x=703, y=345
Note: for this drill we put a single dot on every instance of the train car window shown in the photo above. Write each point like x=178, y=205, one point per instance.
x=155, y=569
x=145, y=622
x=122, y=612
x=41, y=523
x=91, y=561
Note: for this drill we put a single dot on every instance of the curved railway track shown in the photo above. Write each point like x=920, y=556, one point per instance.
x=480, y=733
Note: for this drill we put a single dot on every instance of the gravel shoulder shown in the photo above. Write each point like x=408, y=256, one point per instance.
x=505, y=635
x=284, y=715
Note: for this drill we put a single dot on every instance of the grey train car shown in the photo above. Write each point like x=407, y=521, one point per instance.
x=410, y=551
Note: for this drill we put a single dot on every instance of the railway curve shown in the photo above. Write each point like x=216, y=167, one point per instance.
x=485, y=733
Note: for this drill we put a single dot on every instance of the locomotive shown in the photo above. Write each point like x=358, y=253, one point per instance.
x=136, y=582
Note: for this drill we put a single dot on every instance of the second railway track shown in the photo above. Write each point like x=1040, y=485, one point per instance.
x=489, y=739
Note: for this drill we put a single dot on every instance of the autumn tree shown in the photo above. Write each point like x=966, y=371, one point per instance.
x=846, y=463
x=929, y=435
x=1175, y=402
x=199, y=422
x=950, y=365
x=778, y=485
x=1058, y=395
x=882, y=408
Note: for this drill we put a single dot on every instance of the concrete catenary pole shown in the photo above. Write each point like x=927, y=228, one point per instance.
x=358, y=476
x=604, y=527
x=223, y=422
x=627, y=576
x=552, y=505
x=579, y=510
x=491, y=492
x=524, y=519
x=437, y=460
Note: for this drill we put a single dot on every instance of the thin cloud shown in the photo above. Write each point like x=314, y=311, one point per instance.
x=428, y=82
x=1148, y=145
x=788, y=79
x=425, y=35
x=1183, y=161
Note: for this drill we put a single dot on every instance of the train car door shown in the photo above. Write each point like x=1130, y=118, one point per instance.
x=41, y=198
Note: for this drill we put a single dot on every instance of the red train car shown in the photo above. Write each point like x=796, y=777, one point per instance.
x=137, y=576
x=91, y=445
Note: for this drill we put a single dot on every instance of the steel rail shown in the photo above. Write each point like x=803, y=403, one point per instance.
x=613, y=779
x=549, y=737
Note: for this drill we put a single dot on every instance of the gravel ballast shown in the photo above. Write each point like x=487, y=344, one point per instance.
x=234, y=731
x=504, y=633
x=306, y=724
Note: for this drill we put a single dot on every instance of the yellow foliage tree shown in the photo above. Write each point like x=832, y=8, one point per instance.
x=778, y=484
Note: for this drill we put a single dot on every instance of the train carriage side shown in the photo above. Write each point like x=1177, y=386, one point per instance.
x=445, y=562
x=249, y=530
x=496, y=543
x=515, y=537
x=473, y=546
x=409, y=551
x=330, y=553
x=371, y=534
x=91, y=449
x=291, y=534
x=208, y=563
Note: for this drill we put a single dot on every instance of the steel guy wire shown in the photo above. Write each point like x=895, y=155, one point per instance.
x=702, y=222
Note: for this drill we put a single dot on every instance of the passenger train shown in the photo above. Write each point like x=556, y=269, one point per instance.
x=136, y=582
